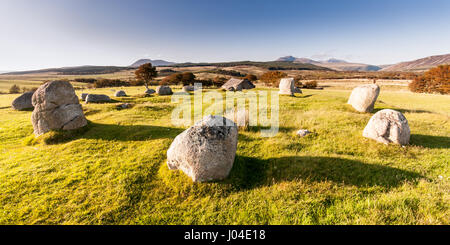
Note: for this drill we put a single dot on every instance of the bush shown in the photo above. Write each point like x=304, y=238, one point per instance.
x=173, y=79
x=14, y=89
x=219, y=81
x=25, y=89
x=251, y=77
x=85, y=80
x=436, y=80
x=272, y=78
x=311, y=84
x=103, y=83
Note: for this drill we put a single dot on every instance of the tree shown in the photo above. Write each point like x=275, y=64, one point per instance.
x=436, y=80
x=272, y=78
x=146, y=73
x=251, y=77
x=188, y=78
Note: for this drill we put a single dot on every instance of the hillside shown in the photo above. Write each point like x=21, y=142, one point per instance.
x=335, y=64
x=420, y=64
x=79, y=70
x=153, y=62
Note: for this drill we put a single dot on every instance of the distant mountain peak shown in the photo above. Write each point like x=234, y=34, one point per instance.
x=153, y=62
x=334, y=60
x=287, y=59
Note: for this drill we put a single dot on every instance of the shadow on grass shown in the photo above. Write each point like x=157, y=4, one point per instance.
x=403, y=111
x=248, y=173
x=112, y=132
x=430, y=141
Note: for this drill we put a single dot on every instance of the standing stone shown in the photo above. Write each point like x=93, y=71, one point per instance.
x=120, y=93
x=363, y=97
x=287, y=87
x=388, y=126
x=23, y=102
x=56, y=107
x=164, y=90
x=97, y=98
x=206, y=151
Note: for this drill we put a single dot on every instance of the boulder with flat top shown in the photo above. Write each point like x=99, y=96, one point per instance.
x=56, y=107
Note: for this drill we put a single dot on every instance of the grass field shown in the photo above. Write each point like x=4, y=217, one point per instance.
x=114, y=171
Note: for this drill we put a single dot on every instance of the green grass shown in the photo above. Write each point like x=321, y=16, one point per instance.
x=114, y=171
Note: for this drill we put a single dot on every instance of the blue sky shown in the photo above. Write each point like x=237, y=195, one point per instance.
x=54, y=33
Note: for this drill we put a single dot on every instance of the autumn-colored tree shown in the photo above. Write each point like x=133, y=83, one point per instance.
x=173, y=79
x=272, y=78
x=146, y=73
x=436, y=80
x=251, y=77
x=188, y=78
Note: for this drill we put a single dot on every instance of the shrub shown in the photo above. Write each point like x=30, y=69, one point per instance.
x=311, y=84
x=85, y=80
x=103, y=83
x=272, y=78
x=251, y=77
x=14, y=89
x=25, y=89
x=436, y=80
x=219, y=81
x=173, y=79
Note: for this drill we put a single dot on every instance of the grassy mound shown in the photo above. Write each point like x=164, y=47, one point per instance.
x=114, y=170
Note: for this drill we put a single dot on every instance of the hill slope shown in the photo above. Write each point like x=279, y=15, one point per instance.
x=420, y=64
x=335, y=64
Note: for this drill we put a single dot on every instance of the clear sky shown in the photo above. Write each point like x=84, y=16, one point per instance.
x=55, y=33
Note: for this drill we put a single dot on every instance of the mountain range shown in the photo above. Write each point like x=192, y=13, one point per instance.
x=335, y=64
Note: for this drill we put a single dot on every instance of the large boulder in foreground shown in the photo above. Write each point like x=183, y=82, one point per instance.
x=388, y=126
x=97, y=98
x=23, y=102
x=363, y=97
x=206, y=151
x=164, y=90
x=56, y=107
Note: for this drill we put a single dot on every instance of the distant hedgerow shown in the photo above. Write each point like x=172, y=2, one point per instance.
x=436, y=80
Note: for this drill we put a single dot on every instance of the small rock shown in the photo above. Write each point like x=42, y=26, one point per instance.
x=97, y=98
x=120, y=93
x=150, y=91
x=164, y=90
x=124, y=106
x=303, y=132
